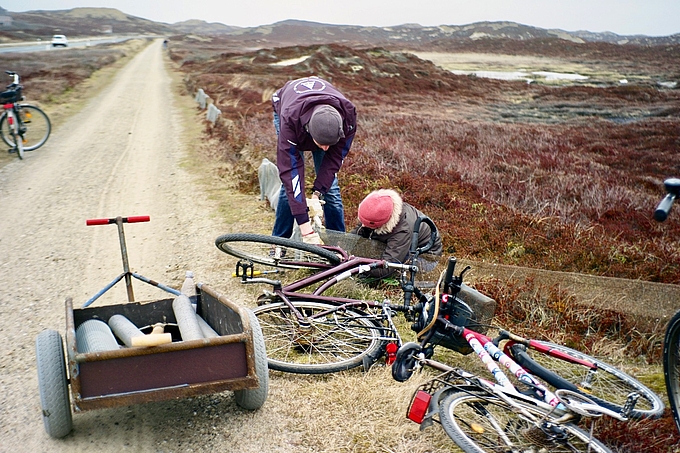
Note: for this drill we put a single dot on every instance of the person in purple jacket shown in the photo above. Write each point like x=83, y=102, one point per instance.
x=310, y=114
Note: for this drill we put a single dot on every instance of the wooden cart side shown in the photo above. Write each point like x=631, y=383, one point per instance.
x=206, y=295
x=180, y=369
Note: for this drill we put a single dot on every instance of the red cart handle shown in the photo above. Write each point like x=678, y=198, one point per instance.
x=131, y=219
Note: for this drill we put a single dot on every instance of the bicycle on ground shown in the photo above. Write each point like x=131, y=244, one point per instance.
x=671, y=344
x=23, y=127
x=517, y=412
x=308, y=329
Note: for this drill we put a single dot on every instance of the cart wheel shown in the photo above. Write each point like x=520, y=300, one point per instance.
x=252, y=399
x=54, y=397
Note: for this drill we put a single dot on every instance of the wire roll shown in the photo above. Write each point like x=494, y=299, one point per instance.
x=124, y=329
x=94, y=335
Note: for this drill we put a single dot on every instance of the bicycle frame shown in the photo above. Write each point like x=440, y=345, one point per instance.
x=425, y=403
x=316, y=320
x=352, y=266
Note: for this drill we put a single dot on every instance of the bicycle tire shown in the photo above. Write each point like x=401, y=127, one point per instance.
x=339, y=341
x=609, y=388
x=468, y=419
x=671, y=365
x=37, y=124
x=9, y=135
x=276, y=251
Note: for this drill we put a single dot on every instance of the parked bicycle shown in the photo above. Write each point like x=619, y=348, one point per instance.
x=671, y=343
x=23, y=127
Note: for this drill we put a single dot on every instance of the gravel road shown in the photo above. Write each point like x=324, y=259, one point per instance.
x=123, y=154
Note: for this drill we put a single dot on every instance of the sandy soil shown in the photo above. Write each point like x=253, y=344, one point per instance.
x=122, y=154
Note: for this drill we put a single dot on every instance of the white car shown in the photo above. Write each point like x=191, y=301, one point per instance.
x=59, y=41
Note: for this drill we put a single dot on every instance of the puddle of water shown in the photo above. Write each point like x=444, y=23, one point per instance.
x=522, y=75
x=290, y=62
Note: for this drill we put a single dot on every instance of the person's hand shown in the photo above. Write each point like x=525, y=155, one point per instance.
x=312, y=238
x=315, y=209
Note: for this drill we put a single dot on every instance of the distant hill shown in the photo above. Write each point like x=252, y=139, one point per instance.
x=95, y=21
x=32, y=25
x=201, y=27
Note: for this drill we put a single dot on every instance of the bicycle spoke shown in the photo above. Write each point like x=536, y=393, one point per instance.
x=484, y=423
x=336, y=340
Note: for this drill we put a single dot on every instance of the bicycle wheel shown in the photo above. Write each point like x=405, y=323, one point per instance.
x=10, y=134
x=609, y=386
x=276, y=251
x=37, y=126
x=479, y=422
x=671, y=365
x=327, y=340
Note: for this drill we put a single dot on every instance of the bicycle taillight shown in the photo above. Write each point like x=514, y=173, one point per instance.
x=390, y=353
x=419, y=405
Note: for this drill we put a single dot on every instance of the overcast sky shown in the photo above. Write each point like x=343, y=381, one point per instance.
x=624, y=17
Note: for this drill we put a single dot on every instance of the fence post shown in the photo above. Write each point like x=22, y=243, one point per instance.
x=213, y=113
x=202, y=98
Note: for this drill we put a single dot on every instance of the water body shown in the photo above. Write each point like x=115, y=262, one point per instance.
x=523, y=75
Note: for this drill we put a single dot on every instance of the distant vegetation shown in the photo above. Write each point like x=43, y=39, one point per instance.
x=555, y=177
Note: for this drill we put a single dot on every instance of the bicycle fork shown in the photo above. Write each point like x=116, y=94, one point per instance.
x=13, y=123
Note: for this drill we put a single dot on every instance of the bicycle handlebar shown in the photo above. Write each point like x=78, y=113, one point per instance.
x=416, y=234
x=672, y=186
x=132, y=219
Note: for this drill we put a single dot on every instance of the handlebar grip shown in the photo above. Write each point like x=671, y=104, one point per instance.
x=448, y=277
x=664, y=208
x=131, y=219
x=91, y=222
x=137, y=219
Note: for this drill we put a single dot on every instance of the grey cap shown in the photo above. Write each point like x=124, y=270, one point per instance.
x=325, y=125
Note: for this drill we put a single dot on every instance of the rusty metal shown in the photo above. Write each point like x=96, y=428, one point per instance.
x=124, y=255
x=175, y=370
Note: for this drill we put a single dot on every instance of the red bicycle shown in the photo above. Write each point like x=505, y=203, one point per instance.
x=23, y=127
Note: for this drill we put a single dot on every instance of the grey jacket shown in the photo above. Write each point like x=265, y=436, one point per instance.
x=397, y=234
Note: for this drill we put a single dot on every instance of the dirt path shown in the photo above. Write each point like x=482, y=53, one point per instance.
x=123, y=154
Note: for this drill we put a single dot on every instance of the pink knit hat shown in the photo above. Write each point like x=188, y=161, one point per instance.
x=376, y=209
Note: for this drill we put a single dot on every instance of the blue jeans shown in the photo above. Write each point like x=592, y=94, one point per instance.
x=333, y=209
